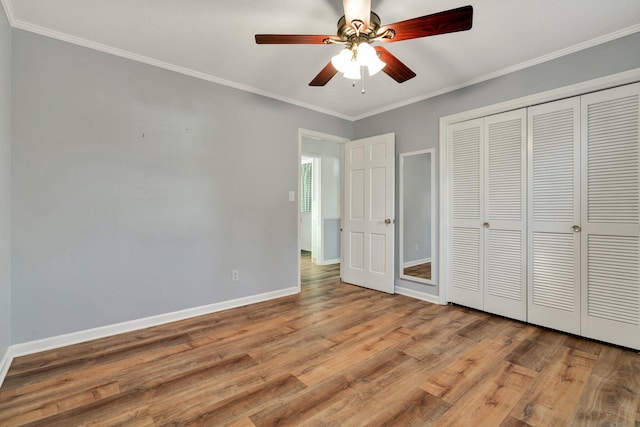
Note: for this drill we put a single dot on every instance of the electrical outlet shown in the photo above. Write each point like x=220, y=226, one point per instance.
x=235, y=275
x=417, y=246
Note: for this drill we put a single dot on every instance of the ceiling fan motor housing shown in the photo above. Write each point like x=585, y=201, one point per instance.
x=351, y=35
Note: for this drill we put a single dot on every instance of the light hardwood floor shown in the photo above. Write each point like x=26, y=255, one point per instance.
x=422, y=271
x=336, y=355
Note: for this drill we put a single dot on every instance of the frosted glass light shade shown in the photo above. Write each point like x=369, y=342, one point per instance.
x=353, y=72
x=368, y=57
x=375, y=66
x=349, y=61
x=342, y=60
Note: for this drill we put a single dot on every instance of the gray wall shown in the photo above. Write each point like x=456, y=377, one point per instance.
x=5, y=184
x=416, y=125
x=137, y=190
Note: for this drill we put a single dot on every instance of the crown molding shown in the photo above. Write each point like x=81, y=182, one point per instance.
x=8, y=11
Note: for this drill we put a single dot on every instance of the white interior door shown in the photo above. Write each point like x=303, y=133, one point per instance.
x=369, y=206
x=611, y=215
x=554, y=215
x=505, y=210
x=465, y=238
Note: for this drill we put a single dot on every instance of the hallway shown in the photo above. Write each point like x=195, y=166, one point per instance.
x=315, y=276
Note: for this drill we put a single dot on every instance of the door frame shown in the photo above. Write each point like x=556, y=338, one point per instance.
x=323, y=137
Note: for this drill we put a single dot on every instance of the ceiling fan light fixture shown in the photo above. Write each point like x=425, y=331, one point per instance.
x=342, y=60
x=353, y=72
x=368, y=57
x=376, y=66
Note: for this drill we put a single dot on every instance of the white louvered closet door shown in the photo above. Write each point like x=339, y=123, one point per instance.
x=464, y=257
x=554, y=210
x=504, y=225
x=611, y=215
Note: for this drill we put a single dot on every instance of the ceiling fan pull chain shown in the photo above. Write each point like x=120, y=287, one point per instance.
x=363, y=78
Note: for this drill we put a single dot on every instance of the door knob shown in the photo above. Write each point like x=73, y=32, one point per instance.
x=576, y=228
x=387, y=221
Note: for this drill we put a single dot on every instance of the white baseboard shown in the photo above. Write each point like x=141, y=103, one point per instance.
x=416, y=262
x=434, y=299
x=330, y=261
x=5, y=363
x=31, y=347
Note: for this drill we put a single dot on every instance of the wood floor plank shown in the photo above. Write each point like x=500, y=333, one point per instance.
x=438, y=336
x=71, y=383
x=392, y=393
x=491, y=401
x=415, y=408
x=317, y=399
x=335, y=354
x=51, y=370
x=227, y=411
x=538, y=350
x=453, y=381
x=342, y=361
x=514, y=422
x=40, y=409
x=611, y=395
x=422, y=271
x=553, y=398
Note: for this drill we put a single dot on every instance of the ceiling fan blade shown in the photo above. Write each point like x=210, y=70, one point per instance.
x=394, y=68
x=324, y=75
x=292, y=39
x=449, y=21
x=357, y=10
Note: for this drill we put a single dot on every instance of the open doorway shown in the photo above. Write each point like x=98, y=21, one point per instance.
x=320, y=207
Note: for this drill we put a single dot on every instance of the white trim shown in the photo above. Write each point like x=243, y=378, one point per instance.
x=5, y=363
x=329, y=261
x=134, y=325
x=416, y=262
x=8, y=10
x=606, y=82
x=433, y=299
x=317, y=225
x=443, y=215
x=7, y=357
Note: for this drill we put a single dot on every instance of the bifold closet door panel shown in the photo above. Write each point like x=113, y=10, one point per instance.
x=465, y=240
x=554, y=215
x=504, y=219
x=611, y=215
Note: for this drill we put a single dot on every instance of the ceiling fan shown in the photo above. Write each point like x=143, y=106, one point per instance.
x=359, y=28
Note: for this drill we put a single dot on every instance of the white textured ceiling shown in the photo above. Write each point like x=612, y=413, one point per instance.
x=214, y=39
